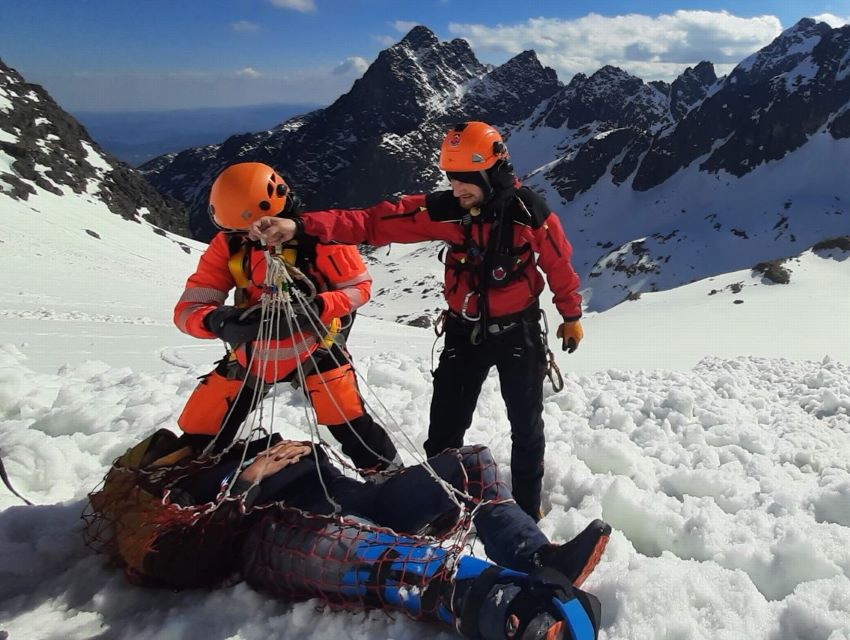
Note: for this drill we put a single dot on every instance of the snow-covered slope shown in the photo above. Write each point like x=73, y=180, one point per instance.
x=82, y=283
x=697, y=224
x=709, y=423
x=42, y=145
x=688, y=421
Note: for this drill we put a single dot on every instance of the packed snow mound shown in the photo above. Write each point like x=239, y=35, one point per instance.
x=727, y=487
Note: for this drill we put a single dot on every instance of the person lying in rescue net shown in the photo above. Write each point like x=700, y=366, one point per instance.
x=242, y=193
x=284, y=550
x=501, y=239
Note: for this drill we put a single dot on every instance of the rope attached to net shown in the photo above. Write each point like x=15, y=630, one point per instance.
x=284, y=305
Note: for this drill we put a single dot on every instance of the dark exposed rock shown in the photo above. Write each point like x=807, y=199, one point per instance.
x=54, y=152
x=611, y=96
x=773, y=271
x=690, y=88
x=842, y=243
x=592, y=160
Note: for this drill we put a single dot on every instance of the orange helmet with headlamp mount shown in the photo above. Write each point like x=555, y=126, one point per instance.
x=471, y=146
x=245, y=192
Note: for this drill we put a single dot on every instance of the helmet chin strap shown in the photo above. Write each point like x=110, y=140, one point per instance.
x=293, y=207
x=490, y=191
x=496, y=181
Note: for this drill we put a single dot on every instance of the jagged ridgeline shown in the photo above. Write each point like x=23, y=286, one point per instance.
x=41, y=145
x=381, y=137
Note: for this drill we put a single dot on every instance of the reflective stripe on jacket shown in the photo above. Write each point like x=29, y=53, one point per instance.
x=338, y=272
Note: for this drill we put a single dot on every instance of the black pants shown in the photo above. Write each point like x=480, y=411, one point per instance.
x=520, y=358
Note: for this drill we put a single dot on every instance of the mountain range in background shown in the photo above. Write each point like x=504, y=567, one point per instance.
x=135, y=137
x=657, y=184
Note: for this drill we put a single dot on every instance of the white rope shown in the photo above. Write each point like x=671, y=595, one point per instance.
x=276, y=304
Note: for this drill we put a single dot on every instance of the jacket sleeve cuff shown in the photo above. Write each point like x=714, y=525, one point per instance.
x=572, y=318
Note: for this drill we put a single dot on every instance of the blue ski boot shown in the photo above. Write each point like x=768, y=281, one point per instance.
x=493, y=603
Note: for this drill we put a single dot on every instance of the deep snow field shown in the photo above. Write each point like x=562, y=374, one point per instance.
x=714, y=436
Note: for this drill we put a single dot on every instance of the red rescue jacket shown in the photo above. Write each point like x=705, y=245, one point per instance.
x=338, y=272
x=508, y=262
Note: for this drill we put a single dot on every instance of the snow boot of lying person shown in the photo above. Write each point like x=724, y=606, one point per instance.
x=576, y=558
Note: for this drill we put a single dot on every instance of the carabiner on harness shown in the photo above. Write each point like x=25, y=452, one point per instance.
x=552, y=370
x=440, y=323
x=464, y=308
x=284, y=257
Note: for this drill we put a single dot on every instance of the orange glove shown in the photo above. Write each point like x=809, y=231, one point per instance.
x=571, y=334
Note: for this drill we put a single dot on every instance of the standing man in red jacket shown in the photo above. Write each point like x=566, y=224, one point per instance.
x=498, y=233
x=240, y=195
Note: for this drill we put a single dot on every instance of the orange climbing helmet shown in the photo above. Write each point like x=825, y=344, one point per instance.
x=244, y=193
x=471, y=146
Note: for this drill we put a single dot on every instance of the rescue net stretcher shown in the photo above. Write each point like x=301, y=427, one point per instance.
x=132, y=510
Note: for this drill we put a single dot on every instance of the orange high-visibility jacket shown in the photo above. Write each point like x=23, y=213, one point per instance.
x=338, y=272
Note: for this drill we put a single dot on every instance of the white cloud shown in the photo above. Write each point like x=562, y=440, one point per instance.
x=305, y=6
x=384, y=40
x=403, y=26
x=833, y=20
x=243, y=26
x=248, y=72
x=353, y=65
x=653, y=48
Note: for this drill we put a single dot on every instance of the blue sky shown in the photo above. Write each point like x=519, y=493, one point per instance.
x=148, y=54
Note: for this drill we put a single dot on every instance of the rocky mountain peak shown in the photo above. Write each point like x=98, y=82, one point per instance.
x=690, y=88
x=525, y=72
x=510, y=92
x=47, y=148
x=783, y=54
x=421, y=66
x=526, y=60
x=419, y=37
x=704, y=72
x=610, y=73
x=610, y=96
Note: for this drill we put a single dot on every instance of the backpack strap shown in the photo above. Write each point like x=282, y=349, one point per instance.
x=238, y=264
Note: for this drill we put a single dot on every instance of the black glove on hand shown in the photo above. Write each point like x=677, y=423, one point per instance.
x=226, y=323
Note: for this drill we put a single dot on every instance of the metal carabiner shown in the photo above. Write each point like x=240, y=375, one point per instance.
x=465, y=306
x=545, y=330
x=440, y=323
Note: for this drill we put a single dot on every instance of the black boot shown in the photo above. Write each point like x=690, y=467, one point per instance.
x=577, y=558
